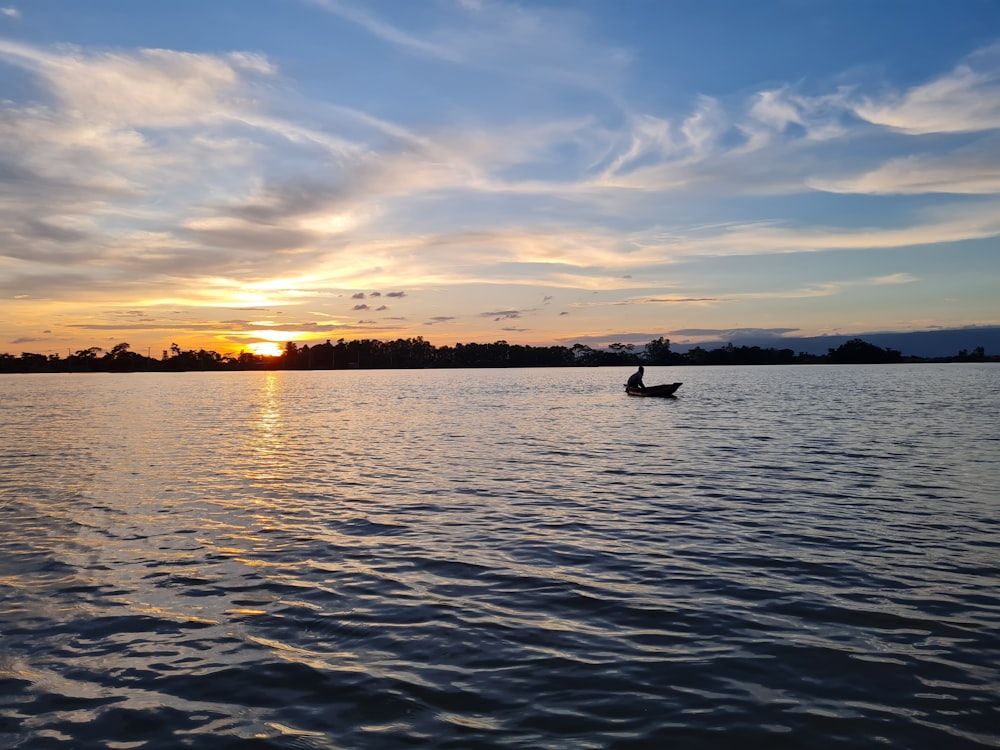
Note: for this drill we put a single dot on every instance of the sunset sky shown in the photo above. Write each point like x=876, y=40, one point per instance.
x=222, y=174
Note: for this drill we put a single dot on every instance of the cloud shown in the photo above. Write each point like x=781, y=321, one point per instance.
x=972, y=171
x=659, y=300
x=386, y=31
x=658, y=154
x=602, y=341
x=781, y=140
x=649, y=138
x=121, y=163
x=894, y=278
x=776, y=110
x=952, y=223
x=757, y=145
x=11, y=12
x=520, y=41
x=689, y=336
x=967, y=99
x=498, y=315
x=733, y=332
x=195, y=183
x=785, y=111
x=240, y=236
x=655, y=300
x=146, y=88
x=702, y=129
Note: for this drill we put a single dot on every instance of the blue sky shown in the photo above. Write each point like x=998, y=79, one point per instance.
x=233, y=174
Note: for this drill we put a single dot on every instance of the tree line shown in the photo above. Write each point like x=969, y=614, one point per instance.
x=418, y=353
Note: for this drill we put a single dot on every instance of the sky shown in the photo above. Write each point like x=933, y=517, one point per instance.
x=236, y=174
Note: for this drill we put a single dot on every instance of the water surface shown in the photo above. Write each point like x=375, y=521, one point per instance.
x=780, y=556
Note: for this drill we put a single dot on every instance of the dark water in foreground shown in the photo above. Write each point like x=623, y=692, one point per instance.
x=781, y=557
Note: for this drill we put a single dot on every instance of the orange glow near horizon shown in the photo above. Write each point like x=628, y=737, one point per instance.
x=265, y=348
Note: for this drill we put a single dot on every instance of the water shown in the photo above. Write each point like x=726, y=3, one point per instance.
x=780, y=557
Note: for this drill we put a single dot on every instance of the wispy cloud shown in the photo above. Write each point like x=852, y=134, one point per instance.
x=498, y=315
x=522, y=41
x=969, y=171
x=148, y=88
x=894, y=278
x=951, y=224
x=386, y=31
x=732, y=332
x=965, y=100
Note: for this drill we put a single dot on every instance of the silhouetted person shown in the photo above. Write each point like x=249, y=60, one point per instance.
x=635, y=380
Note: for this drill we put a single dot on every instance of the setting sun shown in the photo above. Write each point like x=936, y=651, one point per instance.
x=265, y=348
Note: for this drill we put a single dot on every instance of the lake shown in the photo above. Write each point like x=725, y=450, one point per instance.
x=795, y=557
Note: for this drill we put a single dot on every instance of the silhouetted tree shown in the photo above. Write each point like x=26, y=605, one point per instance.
x=657, y=352
x=583, y=354
x=34, y=362
x=372, y=353
x=978, y=355
x=84, y=360
x=857, y=351
x=120, y=359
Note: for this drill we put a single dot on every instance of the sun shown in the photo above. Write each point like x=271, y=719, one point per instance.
x=265, y=348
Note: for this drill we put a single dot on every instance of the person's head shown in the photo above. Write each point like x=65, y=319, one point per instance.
x=640, y=369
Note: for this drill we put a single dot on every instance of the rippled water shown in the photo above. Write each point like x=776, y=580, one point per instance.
x=779, y=557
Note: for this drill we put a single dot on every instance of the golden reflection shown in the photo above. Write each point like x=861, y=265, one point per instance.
x=320, y=660
x=284, y=729
x=266, y=443
x=153, y=610
x=473, y=721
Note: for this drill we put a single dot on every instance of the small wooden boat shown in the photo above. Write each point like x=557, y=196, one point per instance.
x=662, y=391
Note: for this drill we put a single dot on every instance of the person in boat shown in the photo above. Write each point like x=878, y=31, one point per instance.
x=635, y=380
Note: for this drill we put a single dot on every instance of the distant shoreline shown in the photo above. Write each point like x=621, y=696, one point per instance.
x=404, y=354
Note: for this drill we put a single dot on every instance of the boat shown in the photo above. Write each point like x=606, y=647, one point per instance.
x=661, y=391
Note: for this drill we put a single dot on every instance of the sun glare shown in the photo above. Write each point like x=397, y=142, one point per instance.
x=265, y=348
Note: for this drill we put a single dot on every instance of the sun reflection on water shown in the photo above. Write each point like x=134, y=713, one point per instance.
x=265, y=439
